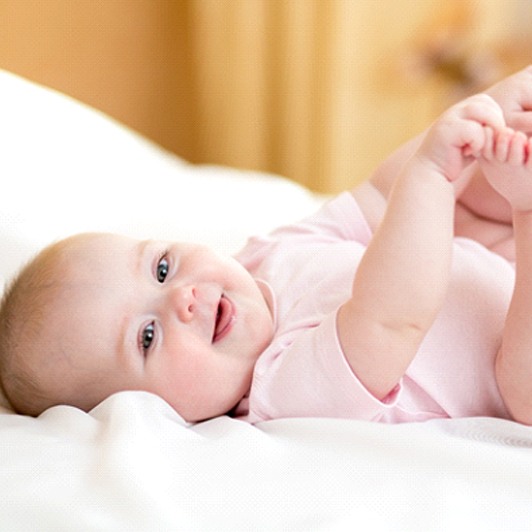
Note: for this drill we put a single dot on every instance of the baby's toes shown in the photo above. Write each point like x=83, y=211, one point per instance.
x=502, y=144
x=528, y=163
x=517, y=152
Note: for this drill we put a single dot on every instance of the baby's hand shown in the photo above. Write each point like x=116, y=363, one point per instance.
x=506, y=161
x=514, y=95
x=459, y=135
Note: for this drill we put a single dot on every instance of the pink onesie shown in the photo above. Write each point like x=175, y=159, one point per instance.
x=308, y=269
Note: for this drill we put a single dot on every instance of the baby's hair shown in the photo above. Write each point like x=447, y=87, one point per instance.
x=23, y=314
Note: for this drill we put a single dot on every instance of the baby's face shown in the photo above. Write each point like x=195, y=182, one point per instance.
x=173, y=319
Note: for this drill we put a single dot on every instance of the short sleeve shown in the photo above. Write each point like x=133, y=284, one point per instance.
x=312, y=378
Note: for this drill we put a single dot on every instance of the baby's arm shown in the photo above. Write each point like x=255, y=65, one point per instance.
x=402, y=279
x=507, y=164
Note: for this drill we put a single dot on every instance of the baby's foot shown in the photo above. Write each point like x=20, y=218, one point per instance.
x=506, y=160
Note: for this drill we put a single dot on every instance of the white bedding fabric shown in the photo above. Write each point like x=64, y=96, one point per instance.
x=132, y=463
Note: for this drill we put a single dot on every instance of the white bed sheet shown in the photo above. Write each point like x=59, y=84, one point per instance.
x=132, y=463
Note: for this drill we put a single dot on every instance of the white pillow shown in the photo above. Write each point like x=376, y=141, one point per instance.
x=67, y=168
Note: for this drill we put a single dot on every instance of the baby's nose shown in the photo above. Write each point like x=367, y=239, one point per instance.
x=184, y=301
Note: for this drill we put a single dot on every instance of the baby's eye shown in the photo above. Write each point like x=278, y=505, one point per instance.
x=147, y=336
x=162, y=269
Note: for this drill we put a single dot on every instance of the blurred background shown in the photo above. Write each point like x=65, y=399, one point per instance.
x=316, y=90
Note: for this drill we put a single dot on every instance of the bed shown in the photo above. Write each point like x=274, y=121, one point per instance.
x=132, y=463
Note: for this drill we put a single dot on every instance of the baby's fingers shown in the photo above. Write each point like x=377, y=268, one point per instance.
x=489, y=143
x=483, y=109
x=470, y=138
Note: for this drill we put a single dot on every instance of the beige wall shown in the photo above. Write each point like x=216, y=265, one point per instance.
x=318, y=90
x=126, y=57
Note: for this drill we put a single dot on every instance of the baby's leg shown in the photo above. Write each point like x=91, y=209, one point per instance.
x=507, y=162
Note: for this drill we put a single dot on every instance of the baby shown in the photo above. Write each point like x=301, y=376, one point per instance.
x=375, y=308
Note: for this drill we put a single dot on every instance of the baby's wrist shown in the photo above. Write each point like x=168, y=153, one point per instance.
x=427, y=168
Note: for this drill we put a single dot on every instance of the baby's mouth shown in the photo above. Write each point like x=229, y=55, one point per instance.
x=225, y=316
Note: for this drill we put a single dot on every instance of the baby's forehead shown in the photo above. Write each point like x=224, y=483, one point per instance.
x=92, y=275
x=85, y=246
x=85, y=256
x=98, y=241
